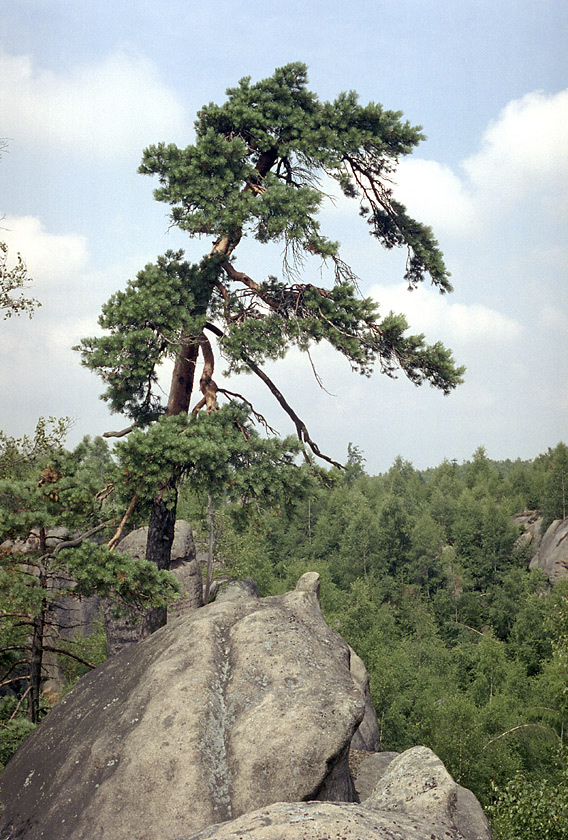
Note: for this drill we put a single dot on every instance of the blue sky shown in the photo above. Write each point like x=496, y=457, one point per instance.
x=84, y=86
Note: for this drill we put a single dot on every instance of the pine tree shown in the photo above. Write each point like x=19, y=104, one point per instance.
x=258, y=169
x=44, y=487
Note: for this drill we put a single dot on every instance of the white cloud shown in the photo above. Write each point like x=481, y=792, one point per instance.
x=435, y=195
x=523, y=157
x=525, y=149
x=52, y=259
x=439, y=317
x=103, y=109
x=551, y=318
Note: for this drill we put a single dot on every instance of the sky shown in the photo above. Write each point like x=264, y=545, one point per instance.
x=86, y=86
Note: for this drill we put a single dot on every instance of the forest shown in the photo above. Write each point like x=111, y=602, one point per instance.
x=424, y=572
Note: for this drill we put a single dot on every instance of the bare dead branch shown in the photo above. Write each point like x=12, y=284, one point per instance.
x=467, y=627
x=261, y=419
x=71, y=655
x=19, y=703
x=4, y=680
x=122, y=433
x=301, y=428
x=77, y=542
x=15, y=615
x=115, y=539
x=317, y=376
x=521, y=726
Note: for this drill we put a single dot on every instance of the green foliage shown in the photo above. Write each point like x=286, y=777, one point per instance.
x=13, y=730
x=19, y=455
x=467, y=649
x=555, y=491
x=145, y=323
x=13, y=284
x=241, y=552
x=529, y=810
x=46, y=487
x=256, y=169
x=94, y=569
x=91, y=648
x=220, y=453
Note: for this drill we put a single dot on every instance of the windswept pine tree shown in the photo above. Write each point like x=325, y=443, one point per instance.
x=257, y=168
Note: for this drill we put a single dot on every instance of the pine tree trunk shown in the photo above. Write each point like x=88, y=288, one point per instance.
x=36, y=658
x=163, y=516
x=36, y=650
x=162, y=519
x=158, y=550
x=183, y=378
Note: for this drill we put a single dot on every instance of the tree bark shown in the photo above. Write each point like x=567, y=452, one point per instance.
x=36, y=651
x=36, y=660
x=182, y=378
x=158, y=550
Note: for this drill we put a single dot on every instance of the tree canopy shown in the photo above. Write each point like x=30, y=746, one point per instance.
x=259, y=167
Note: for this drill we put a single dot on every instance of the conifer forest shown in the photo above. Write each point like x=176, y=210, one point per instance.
x=425, y=573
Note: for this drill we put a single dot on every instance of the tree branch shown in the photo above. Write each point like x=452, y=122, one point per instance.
x=122, y=433
x=261, y=419
x=521, y=726
x=206, y=384
x=115, y=539
x=19, y=703
x=76, y=542
x=301, y=428
x=68, y=653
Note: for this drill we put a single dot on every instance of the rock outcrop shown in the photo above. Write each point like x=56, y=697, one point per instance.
x=228, y=708
x=531, y=523
x=552, y=556
x=367, y=736
x=234, y=720
x=368, y=768
x=416, y=799
x=416, y=783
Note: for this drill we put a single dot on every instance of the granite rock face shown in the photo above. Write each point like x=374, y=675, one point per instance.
x=417, y=783
x=416, y=799
x=552, y=556
x=530, y=521
x=228, y=708
x=369, y=768
x=368, y=736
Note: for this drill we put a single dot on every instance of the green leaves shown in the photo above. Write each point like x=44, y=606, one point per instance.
x=260, y=156
x=202, y=182
x=18, y=456
x=146, y=323
x=219, y=453
x=530, y=810
x=255, y=169
x=96, y=570
x=13, y=283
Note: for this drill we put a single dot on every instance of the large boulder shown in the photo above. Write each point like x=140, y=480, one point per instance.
x=417, y=784
x=416, y=799
x=368, y=736
x=552, y=556
x=229, y=708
